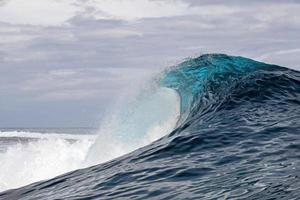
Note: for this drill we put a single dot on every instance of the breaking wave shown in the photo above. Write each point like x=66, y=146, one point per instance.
x=235, y=135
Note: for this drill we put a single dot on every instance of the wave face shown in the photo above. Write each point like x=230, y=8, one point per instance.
x=238, y=137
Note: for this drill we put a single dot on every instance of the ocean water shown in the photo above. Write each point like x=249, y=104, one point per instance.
x=212, y=127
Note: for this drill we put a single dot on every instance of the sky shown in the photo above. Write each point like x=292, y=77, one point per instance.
x=64, y=62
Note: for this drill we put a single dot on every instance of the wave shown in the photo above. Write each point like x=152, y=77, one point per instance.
x=237, y=137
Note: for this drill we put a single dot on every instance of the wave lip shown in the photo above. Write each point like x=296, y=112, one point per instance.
x=238, y=137
x=210, y=77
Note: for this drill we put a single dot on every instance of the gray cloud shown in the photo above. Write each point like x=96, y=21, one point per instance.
x=90, y=57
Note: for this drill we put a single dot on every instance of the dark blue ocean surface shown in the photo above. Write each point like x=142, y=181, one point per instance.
x=238, y=137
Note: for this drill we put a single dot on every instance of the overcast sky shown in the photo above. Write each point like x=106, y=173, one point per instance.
x=62, y=62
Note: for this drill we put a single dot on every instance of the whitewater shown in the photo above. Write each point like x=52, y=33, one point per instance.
x=30, y=156
x=211, y=127
x=33, y=156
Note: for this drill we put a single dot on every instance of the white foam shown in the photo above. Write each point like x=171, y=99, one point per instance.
x=47, y=157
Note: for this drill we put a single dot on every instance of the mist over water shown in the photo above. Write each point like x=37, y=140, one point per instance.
x=33, y=156
x=128, y=129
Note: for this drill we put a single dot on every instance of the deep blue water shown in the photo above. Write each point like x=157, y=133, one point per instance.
x=238, y=137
